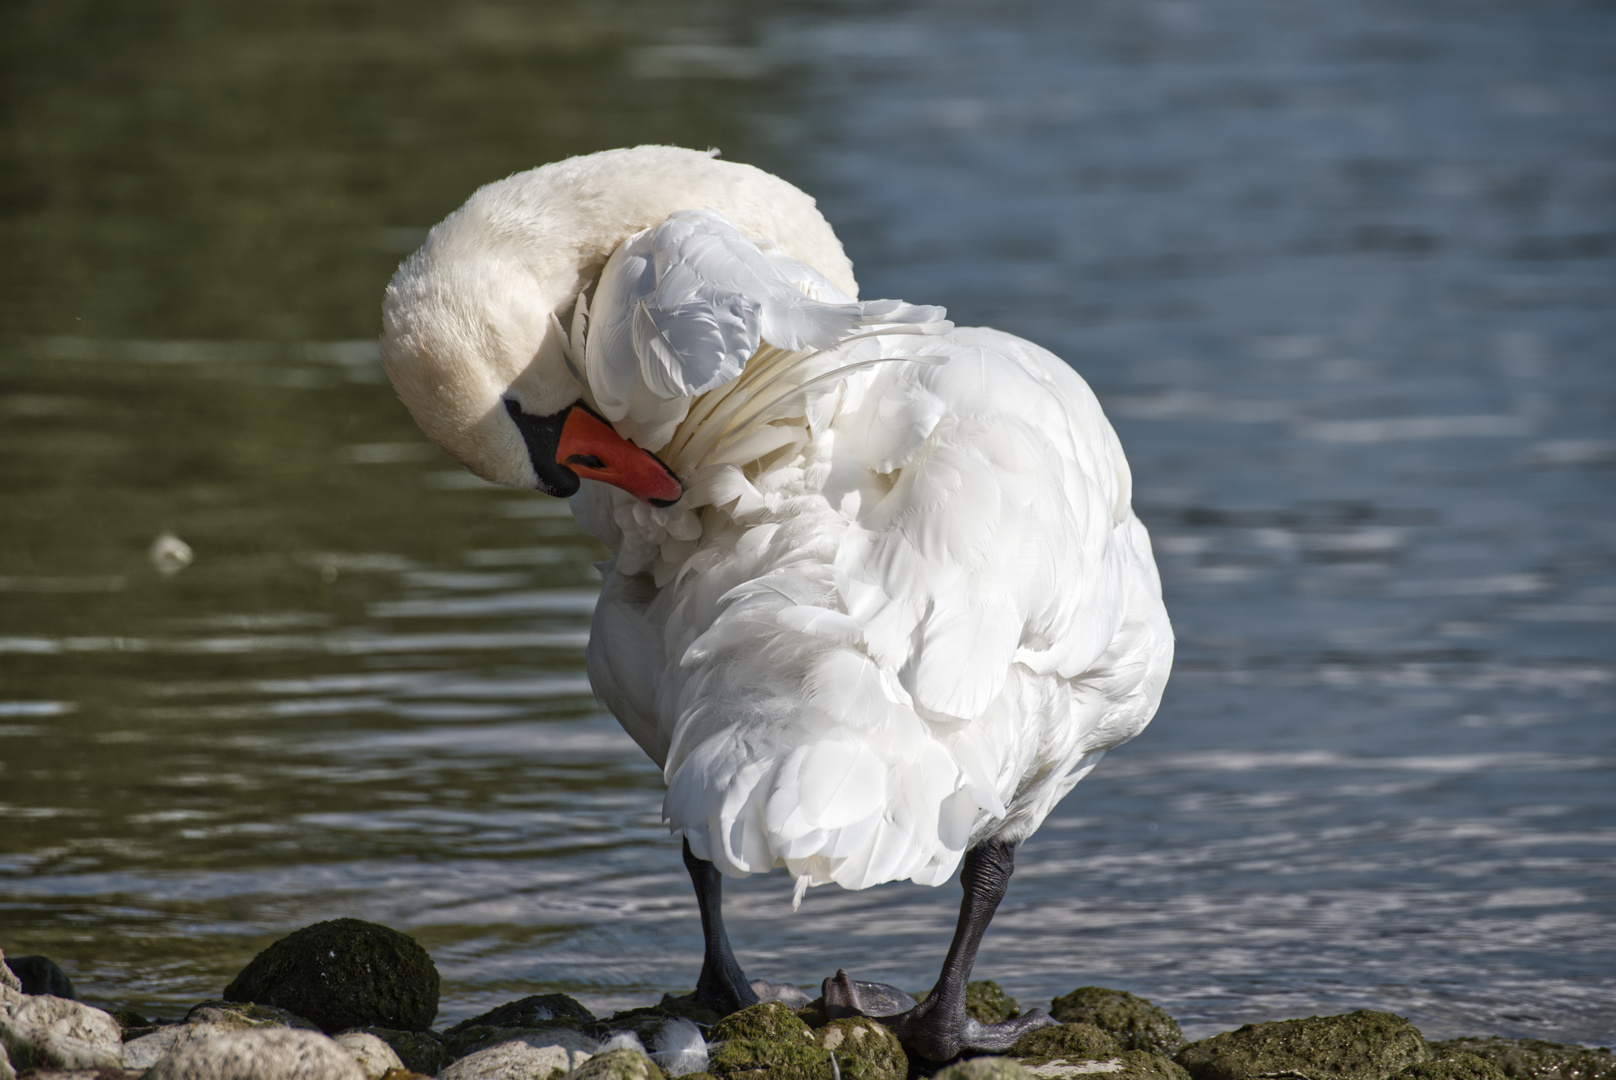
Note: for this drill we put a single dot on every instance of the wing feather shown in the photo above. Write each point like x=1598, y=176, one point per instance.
x=915, y=628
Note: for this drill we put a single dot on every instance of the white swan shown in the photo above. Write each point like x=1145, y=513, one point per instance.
x=878, y=597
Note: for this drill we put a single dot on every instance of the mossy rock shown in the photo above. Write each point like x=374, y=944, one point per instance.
x=750, y=1059
x=1534, y=1059
x=420, y=1051
x=766, y=1042
x=987, y=1003
x=1069, y=1042
x=343, y=974
x=1457, y=1067
x=1362, y=1045
x=1144, y=1065
x=539, y=1010
x=865, y=1049
x=986, y=1068
x=770, y=1020
x=617, y=1065
x=1133, y=1021
x=813, y=1013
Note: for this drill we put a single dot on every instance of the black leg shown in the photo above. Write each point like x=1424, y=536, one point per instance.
x=938, y=1028
x=722, y=986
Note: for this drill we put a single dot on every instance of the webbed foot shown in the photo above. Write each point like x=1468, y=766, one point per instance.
x=937, y=1029
x=847, y=996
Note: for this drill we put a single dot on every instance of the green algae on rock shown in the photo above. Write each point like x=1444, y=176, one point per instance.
x=987, y=1003
x=1534, y=1059
x=767, y=1042
x=1144, y=1065
x=342, y=974
x=986, y=1068
x=1069, y=1042
x=770, y=1020
x=1362, y=1045
x=1456, y=1067
x=1133, y=1021
x=865, y=1049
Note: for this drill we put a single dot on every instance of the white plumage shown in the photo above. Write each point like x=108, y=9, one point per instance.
x=903, y=605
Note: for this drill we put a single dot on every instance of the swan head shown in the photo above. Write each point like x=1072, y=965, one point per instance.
x=472, y=322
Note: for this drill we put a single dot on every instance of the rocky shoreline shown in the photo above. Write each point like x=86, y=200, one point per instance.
x=351, y=1000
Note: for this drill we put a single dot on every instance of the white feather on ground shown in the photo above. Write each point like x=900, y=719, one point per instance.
x=679, y=1048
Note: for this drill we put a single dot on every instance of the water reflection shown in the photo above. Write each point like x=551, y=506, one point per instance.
x=1341, y=275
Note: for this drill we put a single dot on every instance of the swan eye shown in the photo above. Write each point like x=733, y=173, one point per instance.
x=588, y=461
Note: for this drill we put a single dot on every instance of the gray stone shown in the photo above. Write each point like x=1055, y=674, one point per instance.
x=9, y=983
x=258, y=1054
x=148, y=1050
x=532, y=1057
x=1127, y=1065
x=345, y=973
x=40, y=975
x=46, y=1031
x=242, y=1015
x=373, y=1055
x=85, y=1074
x=617, y=1065
x=1133, y=1021
x=1534, y=1059
x=205, y=1021
x=481, y=1037
x=420, y=1051
x=985, y=1068
x=1362, y=1045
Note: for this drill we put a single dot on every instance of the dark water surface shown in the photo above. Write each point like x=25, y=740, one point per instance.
x=1343, y=275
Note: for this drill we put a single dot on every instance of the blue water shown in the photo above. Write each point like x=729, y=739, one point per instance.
x=1342, y=275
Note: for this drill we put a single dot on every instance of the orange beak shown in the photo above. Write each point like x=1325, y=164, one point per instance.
x=592, y=449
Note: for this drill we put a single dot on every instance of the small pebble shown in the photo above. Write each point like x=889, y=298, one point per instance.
x=170, y=554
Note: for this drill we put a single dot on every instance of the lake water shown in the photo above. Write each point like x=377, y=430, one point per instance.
x=1343, y=274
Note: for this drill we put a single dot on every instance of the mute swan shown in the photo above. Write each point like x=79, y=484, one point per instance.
x=877, y=598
